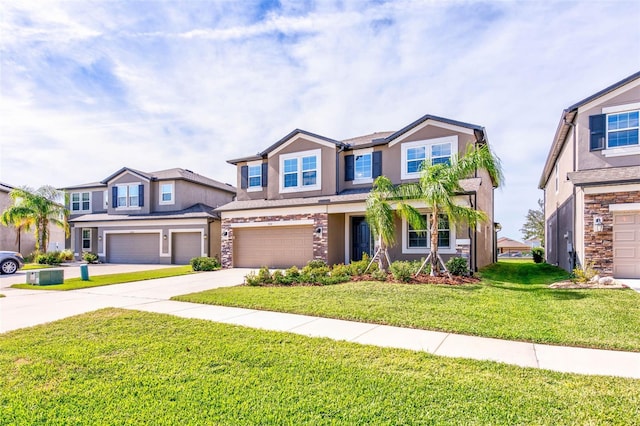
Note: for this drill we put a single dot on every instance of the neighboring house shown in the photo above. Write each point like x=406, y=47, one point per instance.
x=533, y=242
x=591, y=182
x=138, y=217
x=303, y=197
x=509, y=246
x=24, y=243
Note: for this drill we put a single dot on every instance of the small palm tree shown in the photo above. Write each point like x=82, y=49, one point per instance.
x=19, y=223
x=38, y=208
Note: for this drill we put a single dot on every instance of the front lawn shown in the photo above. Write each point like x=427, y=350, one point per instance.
x=513, y=302
x=125, y=367
x=100, y=280
x=32, y=266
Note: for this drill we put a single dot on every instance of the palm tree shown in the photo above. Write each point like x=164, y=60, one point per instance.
x=39, y=208
x=19, y=223
x=440, y=183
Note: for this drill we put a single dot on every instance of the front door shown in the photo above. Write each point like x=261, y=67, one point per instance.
x=360, y=238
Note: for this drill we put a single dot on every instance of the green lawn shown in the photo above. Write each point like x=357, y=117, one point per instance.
x=126, y=367
x=32, y=266
x=512, y=302
x=100, y=280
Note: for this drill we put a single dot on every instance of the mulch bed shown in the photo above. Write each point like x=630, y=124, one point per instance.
x=425, y=279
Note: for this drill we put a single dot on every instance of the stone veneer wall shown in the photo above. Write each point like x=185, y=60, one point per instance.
x=598, y=246
x=320, y=242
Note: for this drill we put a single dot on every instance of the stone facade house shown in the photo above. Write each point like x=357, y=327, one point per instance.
x=591, y=183
x=164, y=217
x=303, y=197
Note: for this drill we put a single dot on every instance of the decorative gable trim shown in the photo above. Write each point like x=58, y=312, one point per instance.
x=126, y=171
x=430, y=122
x=296, y=137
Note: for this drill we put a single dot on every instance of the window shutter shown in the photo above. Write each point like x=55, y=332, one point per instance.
x=597, y=129
x=348, y=167
x=244, y=177
x=377, y=164
x=265, y=174
x=140, y=195
x=114, y=196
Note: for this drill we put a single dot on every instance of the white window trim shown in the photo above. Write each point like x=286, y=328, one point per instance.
x=299, y=155
x=622, y=150
x=426, y=250
x=173, y=193
x=80, y=210
x=254, y=188
x=105, y=199
x=427, y=143
x=128, y=207
x=362, y=181
x=82, y=239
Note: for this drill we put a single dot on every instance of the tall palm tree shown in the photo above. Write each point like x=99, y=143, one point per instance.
x=39, y=208
x=440, y=183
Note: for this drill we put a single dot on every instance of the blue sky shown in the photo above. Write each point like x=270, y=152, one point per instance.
x=89, y=87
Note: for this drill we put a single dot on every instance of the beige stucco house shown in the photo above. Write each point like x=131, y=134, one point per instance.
x=138, y=217
x=591, y=183
x=303, y=197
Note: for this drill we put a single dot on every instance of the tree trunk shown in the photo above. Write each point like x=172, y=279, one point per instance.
x=434, y=242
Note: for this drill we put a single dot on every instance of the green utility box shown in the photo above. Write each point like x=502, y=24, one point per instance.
x=46, y=277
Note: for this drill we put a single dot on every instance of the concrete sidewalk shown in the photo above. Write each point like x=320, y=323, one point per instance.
x=22, y=308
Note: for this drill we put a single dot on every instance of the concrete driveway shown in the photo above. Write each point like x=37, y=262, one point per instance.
x=25, y=308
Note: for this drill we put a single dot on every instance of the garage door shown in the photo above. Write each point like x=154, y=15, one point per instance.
x=275, y=247
x=185, y=246
x=626, y=245
x=133, y=248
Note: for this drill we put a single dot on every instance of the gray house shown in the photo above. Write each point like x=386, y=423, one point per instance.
x=591, y=183
x=304, y=196
x=138, y=217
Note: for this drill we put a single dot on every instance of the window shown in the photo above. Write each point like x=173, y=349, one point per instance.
x=419, y=240
x=363, y=165
x=86, y=239
x=622, y=129
x=128, y=196
x=255, y=176
x=81, y=201
x=166, y=193
x=299, y=171
x=436, y=151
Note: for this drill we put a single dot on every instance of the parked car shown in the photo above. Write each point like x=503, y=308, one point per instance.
x=10, y=262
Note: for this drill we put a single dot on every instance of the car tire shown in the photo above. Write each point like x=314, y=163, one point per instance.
x=9, y=266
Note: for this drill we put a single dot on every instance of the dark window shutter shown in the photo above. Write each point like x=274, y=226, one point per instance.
x=244, y=177
x=265, y=174
x=140, y=195
x=348, y=167
x=114, y=196
x=377, y=164
x=597, y=129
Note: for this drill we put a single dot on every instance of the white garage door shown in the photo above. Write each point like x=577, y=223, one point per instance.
x=626, y=245
x=185, y=246
x=275, y=247
x=133, y=248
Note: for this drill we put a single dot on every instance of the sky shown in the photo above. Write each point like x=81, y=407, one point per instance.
x=89, y=87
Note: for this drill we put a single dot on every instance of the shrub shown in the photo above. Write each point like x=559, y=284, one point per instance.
x=66, y=255
x=584, y=274
x=458, y=266
x=538, y=254
x=358, y=267
x=314, y=271
x=402, y=270
x=89, y=257
x=50, y=258
x=379, y=275
x=264, y=275
x=205, y=264
x=292, y=274
x=278, y=277
x=341, y=270
x=252, y=279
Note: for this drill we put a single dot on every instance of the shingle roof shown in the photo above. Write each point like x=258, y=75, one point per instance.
x=366, y=139
x=608, y=175
x=196, y=211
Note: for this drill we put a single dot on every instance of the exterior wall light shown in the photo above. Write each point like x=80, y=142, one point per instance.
x=598, y=226
x=164, y=237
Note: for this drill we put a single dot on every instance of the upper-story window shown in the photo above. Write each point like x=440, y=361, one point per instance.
x=436, y=151
x=615, y=131
x=128, y=196
x=166, y=193
x=80, y=202
x=255, y=176
x=300, y=171
x=362, y=166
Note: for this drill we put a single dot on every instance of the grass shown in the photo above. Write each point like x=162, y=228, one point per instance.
x=100, y=280
x=125, y=367
x=32, y=266
x=513, y=302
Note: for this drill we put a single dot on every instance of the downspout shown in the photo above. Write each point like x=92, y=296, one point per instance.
x=340, y=150
x=572, y=254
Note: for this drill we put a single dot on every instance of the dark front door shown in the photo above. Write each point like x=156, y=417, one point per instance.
x=360, y=238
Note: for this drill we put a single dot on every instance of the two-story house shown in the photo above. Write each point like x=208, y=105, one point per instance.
x=591, y=183
x=304, y=197
x=137, y=217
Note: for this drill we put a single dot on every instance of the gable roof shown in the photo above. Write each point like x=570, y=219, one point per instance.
x=5, y=188
x=566, y=121
x=611, y=175
x=478, y=131
x=504, y=242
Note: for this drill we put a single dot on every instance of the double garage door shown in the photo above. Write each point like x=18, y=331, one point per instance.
x=275, y=247
x=145, y=248
x=626, y=245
